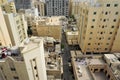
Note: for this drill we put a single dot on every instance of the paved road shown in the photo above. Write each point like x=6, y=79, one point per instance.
x=68, y=74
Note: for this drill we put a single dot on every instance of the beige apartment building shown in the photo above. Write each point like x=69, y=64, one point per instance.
x=116, y=44
x=2, y=1
x=94, y=67
x=47, y=26
x=99, y=26
x=17, y=27
x=25, y=62
x=40, y=5
x=75, y=7
x=72, y=37
x=13, y=29
x=5, y=39
x=8, y=6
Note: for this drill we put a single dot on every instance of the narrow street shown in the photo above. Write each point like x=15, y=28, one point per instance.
x=68, y=74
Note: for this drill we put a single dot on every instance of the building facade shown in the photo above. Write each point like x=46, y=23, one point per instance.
x=8, y=6
x=27, y=64
x=17, y=28
x=40, y=5
x=23, y=4
x=2, y=1
x=57, y=7
x=47, y=26
x=4, y=35
x=99, y=26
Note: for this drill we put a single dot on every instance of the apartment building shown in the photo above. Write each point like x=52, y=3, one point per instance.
x=8, y=6
x=72, y=37
x=2, y=1
x=116, y=44
x=14, y=30
x=5, y=39
x=24, y=4
x=114, y=63
x=30, y=14
x=47, y=26
x=57, y=7
x=74, y=7
x=99, y=26
x=25, y=62
x=94, y=67
x=40, y=5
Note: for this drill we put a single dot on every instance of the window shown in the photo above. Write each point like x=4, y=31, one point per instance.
x=36, y=75
x=108, y=5
x=100, y=38
x=90, y=38
x=110, y=32
x=91, y=32
x=16, y=77
x=106, y=48
x=93, y=20
x=97, y=49
x=92, y=26
x=104, y=20
x=33, y=59
x=115, y=5
x=106, y=13
x=98, y=43
x=116, y=13
x=35, y=67
x=13, y=69
x=101, y=33
x=114, y=20
x=94, y=13
x=112, y=27
x=89, y=44
x=102, y=26
x=107, y=43
x=109, y=38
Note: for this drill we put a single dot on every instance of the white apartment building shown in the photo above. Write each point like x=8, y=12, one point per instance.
x=17, y=27
x=57, y=7
x=25, y=62
x=5, y=39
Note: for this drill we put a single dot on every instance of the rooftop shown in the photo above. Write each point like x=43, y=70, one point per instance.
x=117, y=55
x=13, y=52
x=81, y=63
x=31, y=43
x=111, y=57
x=54, y=20
x=72, y=33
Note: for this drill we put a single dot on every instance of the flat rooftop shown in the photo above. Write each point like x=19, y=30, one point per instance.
x=111, y=57
x=80, y=66
x=72, y=33
x=31, y=43
x=54, y=20
x=53, y=61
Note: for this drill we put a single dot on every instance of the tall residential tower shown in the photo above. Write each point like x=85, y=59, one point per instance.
x=57, y=7
x=99, y=26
